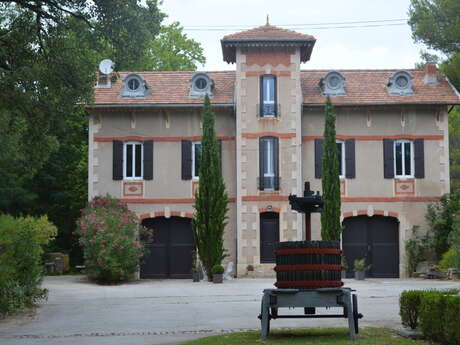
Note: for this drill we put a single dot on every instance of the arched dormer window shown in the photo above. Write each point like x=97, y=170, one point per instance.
x=400, y=84
x=201, y=84
x=333, y=84
x=134, y=86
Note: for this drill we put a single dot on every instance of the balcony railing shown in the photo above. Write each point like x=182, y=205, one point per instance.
x=269, y=183
x=268, y=110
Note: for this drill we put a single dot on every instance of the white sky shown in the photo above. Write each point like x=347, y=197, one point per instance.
x=372, y=47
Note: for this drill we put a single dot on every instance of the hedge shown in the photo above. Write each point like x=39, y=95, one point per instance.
x=437, y=312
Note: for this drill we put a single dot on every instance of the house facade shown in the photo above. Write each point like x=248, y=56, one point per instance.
x=392, y=135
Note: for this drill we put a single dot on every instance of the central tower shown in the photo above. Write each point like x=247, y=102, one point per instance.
x=268, y=100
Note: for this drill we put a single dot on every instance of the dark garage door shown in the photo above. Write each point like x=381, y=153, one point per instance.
x=376, y=239
x=171, y=249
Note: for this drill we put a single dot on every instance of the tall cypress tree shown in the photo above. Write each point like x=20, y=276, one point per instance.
x=330, y=218
x=211, y=199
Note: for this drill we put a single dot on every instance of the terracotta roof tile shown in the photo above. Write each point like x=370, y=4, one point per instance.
x=362, y=87
x=267, y=32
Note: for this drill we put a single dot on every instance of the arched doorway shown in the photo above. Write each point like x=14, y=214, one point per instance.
x=376, y=239
x=171, y=249
x=269, y=236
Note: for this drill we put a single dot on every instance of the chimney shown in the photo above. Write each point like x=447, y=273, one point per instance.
x=431, y=74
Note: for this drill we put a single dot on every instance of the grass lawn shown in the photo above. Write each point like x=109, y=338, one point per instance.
x=319, y=336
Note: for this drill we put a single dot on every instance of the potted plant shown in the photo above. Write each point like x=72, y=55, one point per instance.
x=344, y=265
x=217, y=274
x=360, y=268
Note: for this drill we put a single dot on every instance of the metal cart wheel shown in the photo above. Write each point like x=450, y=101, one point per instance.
x=356, y=315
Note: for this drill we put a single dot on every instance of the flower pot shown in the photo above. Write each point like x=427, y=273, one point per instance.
x=196, y=276
x=217, y=278
x=359, y=275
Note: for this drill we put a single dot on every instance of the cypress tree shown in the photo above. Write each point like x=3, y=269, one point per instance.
x=330, y=218
x=211, y=199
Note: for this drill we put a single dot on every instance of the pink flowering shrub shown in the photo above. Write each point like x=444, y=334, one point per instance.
x=112, y=240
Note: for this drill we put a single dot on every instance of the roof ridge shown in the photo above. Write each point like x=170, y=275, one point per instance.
x=265, y=29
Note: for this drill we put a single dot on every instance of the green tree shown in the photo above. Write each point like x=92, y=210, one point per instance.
x=211, y=200
x=454, y=149
x=330, y=217
x=436, y=23
x=172, y=50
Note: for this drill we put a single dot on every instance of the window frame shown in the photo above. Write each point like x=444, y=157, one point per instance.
x=125, y=161
x=342, y=172
x=195, y=174
x=272, y=173
x=403, y=161
x=275, y=95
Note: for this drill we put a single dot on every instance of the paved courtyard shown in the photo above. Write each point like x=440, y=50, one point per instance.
x=174, y=311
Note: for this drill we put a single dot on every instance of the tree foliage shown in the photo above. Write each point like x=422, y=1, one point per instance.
x=49, y=53
x=330, y=218
x=173, y=51
x=211, y=200
x=436, y=23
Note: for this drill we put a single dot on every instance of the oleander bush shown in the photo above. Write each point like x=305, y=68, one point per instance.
x=21, y=269
x=435, y=312
x=112, y=240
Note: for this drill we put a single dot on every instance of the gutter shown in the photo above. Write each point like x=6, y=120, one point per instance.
x=381, y=103
x=156, y=105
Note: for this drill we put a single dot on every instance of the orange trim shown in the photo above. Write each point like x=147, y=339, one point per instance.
x=307, y=267
x=364, y=213
x=164, y=139
x=144, y=216
x=159, y=214
x=273, y=209
x=268, y=134
x=175, y=214
x=138, y=183
x=166, y=201
x=407, y=181
x=188, y=215
x=265, y=198
x=376, y=137
x=392, y=199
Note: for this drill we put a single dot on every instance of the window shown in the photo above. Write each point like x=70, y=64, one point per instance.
x=400, y=84
x=201, y=85
x=134, y=86
x=133, y=157
x=268, y=95
x=333, y=84
x=404, y=158
x=268, y=156
x=196, y=159
x=341, y=156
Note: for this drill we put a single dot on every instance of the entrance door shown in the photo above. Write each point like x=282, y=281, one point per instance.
x=171, y=249
x=376, y=239
x=269, y=236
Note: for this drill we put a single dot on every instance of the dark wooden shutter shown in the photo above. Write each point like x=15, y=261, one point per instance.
x=117, y=171
x=186, y=160
x=261, y=93
x=148, y=160
x=388, y=158
x=419, y=158
x=276, y=162
x=276, y=95
x=261, y=164
x=318, y=158
x=350, y=165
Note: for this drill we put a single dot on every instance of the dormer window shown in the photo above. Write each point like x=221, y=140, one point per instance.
x=134, y=86
x=400, y=84
x=333, y=84
x=202, y=84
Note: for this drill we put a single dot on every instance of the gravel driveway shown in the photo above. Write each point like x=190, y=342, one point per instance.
x=174, y=311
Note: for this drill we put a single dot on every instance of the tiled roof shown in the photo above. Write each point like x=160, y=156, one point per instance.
x=267, y=32
x=369, y=87
x=362, y=87
x=169, y=88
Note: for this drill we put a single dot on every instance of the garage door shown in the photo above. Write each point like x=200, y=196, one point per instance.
x=171, y=249
x=376, y=239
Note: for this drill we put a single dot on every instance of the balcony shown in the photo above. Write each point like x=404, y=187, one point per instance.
x=269, y=182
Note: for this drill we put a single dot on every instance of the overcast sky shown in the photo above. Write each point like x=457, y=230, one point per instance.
x=335, y=48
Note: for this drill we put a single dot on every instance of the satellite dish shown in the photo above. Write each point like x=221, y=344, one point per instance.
x=106, y=66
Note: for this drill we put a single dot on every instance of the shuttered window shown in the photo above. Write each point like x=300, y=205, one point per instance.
x=196, y=158
x=403, y=158
x=133, y=158
x=341, y=157
x=268, y=95
x=346, y=156
x=268, y=163
x=186, y=165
